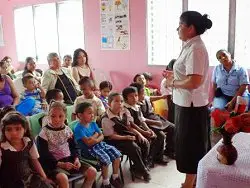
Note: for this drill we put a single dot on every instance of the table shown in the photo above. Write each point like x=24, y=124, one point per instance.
x=212, y=174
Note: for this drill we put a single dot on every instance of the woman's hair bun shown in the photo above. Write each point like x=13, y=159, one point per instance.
x=207, y=22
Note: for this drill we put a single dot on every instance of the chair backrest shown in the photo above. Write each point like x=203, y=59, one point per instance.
x=69, y=113
x=73, y=124
x=35, y=124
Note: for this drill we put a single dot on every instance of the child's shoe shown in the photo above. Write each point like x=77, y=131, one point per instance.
x=106, y=186
x=117, y=183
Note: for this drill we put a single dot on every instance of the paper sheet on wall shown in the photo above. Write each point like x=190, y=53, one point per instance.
x=1, y=32
x=115, y=27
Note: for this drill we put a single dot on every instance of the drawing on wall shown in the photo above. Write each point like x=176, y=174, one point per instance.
x=115, y=27
x=1, y=32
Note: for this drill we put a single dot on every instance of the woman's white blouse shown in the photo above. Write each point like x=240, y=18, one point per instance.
x=193, y=59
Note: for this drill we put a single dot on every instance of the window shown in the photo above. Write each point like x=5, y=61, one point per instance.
x=163, y=19
x=215, y=38
x=162, y=22
x=242, y=39
x=25, y=38
x=52, y=27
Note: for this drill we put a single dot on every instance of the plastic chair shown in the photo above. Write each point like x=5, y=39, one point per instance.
x=35, y=124
x=69, y=113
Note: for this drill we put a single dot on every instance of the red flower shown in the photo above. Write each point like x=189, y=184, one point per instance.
x=245, y=129
x=219, y=117
x=231, y=127
x=236, y=120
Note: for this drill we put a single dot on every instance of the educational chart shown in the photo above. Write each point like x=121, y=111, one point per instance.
x=1, y=32
x=115, y=28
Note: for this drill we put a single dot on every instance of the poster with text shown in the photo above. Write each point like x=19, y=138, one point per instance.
x=115, y=28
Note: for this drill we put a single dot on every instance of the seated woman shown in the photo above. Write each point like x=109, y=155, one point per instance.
x=229, y=81
x=8, y=93
x=30, y=67
x=60, y=77
x=9, y=68
x=80, y=66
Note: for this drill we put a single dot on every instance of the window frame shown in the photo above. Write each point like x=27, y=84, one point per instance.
x=33, y=6
x=231, y=28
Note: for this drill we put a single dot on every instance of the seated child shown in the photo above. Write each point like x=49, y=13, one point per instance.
x=119, y=133
x=57, y=148
x=90, y=139
x=105, y=87
x=157, y=123
x=19, y=165
x=54, y=94
x=152, y=88
x=35, y=92
x=51, y=95
x=3, y=111
x=168, y=91
x=139, y=78
x=130, y=96
x=87, y=87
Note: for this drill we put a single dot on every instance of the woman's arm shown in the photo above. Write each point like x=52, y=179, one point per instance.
x=13, y=91
x=47, y=80
x=191, y=82
x=239, y=92
x=156, y=98
x=75, y=74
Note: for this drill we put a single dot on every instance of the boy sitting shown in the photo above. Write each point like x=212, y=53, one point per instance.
x=87, y=88
x=33, y=92
x=130, y=95
x=157, y=123
x=119, y=133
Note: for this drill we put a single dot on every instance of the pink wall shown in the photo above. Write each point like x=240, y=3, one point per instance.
x=121, y=65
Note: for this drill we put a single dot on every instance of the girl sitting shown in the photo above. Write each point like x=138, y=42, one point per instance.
x=19, y=165
x=57, y=148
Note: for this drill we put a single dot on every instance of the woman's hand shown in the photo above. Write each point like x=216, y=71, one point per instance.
x=229, y=106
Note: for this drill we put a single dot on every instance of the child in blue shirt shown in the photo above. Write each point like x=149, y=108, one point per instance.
x=33, y=91
x=89, y=137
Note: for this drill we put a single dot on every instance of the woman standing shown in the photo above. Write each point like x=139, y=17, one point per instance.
x=190, y=95
x=80, y=65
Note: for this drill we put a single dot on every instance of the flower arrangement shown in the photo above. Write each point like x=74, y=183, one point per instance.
x=228, y=124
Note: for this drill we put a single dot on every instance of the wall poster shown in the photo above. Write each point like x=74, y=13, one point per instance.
x=115, y=27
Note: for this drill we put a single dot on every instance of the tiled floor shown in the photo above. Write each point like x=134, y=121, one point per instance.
x=162, y=177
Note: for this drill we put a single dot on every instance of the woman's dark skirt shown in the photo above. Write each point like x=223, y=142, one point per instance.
x=192, y=137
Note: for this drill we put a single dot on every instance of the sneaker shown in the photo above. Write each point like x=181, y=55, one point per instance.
x=117, y=183
x=106, y=186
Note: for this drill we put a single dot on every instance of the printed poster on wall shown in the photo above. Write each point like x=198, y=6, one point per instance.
x=115, y=28
x=1, y=32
